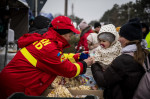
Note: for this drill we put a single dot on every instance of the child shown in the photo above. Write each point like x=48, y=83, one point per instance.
x=109, y=46
x=91, y=39
x=92, y=43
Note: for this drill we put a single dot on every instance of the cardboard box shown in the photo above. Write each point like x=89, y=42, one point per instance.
x=98, y=93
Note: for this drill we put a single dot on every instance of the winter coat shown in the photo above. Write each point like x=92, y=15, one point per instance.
x=120, y=79
x=83, y=38
x=38, y=63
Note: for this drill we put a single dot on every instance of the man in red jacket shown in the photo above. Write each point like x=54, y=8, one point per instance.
x=41, y=59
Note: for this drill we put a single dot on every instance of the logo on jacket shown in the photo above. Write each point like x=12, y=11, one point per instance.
x=62, y=58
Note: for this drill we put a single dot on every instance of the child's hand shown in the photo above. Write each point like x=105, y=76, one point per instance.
x=93, y=59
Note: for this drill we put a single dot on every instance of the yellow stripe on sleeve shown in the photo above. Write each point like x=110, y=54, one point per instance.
x=28, y=56
x=78, y=69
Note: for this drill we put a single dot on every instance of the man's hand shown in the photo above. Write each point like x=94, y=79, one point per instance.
x=89, y=61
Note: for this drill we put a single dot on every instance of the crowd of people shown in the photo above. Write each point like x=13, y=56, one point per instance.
x=41, y=59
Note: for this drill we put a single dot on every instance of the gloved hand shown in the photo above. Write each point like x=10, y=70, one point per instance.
x=84, y=56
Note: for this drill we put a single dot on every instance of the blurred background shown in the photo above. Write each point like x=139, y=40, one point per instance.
x=116, y=12
x=104, y=11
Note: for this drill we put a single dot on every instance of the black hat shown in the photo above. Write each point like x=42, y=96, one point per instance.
x=41, y=22
x=97, y=24
x=131, y=30
x=62, y=31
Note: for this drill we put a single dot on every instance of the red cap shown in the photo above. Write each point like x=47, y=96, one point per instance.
x=63, y=22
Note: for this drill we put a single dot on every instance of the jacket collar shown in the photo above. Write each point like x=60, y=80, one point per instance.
x=129, y=48
x=133, y=47
x=56, y=37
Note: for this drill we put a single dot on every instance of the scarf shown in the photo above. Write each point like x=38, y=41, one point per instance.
x=106, y=56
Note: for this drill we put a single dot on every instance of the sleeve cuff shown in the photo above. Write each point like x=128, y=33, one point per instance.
x=84, y=66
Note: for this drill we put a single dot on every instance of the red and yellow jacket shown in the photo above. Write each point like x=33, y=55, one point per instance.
x=37, y=64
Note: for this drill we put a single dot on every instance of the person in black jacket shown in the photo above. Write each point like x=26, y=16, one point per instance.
x=40, y=25
x=121, y=78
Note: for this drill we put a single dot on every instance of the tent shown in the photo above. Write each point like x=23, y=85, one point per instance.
x=14, y=15
x=18, y=12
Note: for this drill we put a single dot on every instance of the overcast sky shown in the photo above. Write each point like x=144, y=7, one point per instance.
x=87, y=9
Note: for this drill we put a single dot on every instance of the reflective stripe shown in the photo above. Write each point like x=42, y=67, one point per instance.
x=71, y=58
x=78, y=69
x=28, y=56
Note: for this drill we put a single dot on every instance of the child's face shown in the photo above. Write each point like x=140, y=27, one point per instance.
x=104, y=43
